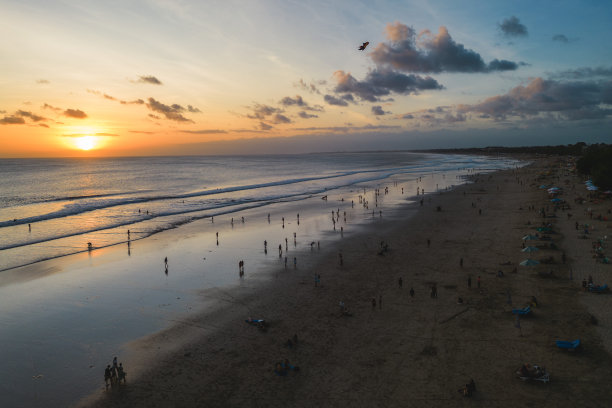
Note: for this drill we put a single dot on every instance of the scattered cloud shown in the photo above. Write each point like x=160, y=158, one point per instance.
x=332, y=100
x=141, y=132
x=42, y=81
x=583, y=73
x=428, y=53
x=512, y=27
x=278, y=119
x=264, y=126
x=570, y=100
x=379, y=83
x=47, y=106
x=43, y=125
x=171, y=112
x=152, y=116
x=378, y=110
x=30, y=115
x=134, y=102
x=348, y=128
x=310, y=87
x=261, y=111
x=193, y=109
x=205, y=131
x=305, y=115
x=299, y=102
x=12, y=120
x=560, y=38
x=148, y=79
x=75, y=113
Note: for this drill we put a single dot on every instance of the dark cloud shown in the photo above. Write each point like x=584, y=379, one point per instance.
x=289, y=101
x=261, y=111
x=149, y=79
x=570, y=100
x=30, y=115
x=12, y=120
x=348, y=128
x=378, y=110
x=332, y=100
x=75, y=113
x=43, y=125
x=152, y=116
x=582, y=73
x=264, y=126
x=304, y=115
x=560, y=38
x=171, y=112
x=433, y=53
x=512, y=27
x=278, y=119
x=205, y=131
x=380, y=83
x=407, y=116
x=193, y=109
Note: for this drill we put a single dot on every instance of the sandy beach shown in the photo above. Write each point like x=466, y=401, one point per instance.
x=403, y=351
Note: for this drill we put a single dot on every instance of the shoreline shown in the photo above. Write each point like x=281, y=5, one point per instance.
x=417, y=350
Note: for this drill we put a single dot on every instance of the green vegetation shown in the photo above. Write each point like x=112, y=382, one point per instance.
x=596, y=161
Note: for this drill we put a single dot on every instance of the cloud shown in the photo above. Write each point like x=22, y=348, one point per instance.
x=148, y=79
x=304, y=115
x=30, y=115
x=582, y=73
x=261, y=111
x=75, y=113
x=12, y=120
x=332, y=100
x=105, y=96
x=47, y=106
x=43, y=125
x=278, y=119
x=134, y=102
x=310, y=87
x=42, y=81
x=428, y=53
x=512, y=27
x=205, y=131
x=193, y=109
x=141, y=132
x=154, y=116
x=380, y=83
x=101, y=134
x=264, y=126
x=348, y=128
x=560, y=38
x=171, y=112
x=300, y=102
x=570, y=100
x=378, y=110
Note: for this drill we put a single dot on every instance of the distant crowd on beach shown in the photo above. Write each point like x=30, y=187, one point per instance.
x=115, y=374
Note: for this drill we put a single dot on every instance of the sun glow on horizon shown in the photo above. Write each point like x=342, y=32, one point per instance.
x=86, y=142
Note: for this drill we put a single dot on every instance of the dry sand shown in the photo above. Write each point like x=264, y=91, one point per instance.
x=409, y=351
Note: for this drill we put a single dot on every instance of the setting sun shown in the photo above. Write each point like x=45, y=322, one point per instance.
x=85, y=142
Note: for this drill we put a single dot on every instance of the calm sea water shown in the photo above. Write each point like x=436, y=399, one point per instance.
x=55, y=207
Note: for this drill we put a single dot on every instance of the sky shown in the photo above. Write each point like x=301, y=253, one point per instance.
x=180, y=77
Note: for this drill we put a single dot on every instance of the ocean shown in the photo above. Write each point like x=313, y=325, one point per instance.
x=66, y=310
x=55, y=207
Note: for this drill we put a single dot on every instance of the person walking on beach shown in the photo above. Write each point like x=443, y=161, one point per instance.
x=107, y=375
x=285, y=262
x=294, y=262
x=280, y=251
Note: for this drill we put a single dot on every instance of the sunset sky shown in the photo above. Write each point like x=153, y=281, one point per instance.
x=139, y=77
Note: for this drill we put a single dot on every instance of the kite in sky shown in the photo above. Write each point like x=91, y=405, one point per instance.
x=363, y=46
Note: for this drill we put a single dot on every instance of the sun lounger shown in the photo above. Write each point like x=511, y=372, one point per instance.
x=524, y=311
x=568, y=345
x=533, y=372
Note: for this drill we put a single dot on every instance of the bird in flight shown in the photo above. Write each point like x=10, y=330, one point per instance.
x=363, y=46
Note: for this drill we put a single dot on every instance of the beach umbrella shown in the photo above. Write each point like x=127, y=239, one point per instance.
x=529, y=249
x=527, y=237
x=556, y=200
x=529, y=262
x=592, y=188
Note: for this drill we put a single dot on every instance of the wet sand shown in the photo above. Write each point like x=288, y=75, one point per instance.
x=407, y=351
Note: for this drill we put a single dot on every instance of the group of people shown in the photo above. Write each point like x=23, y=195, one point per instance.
x=114, y=374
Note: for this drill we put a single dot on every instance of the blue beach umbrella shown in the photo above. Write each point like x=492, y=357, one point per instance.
x=529, y=262
x=529, y=249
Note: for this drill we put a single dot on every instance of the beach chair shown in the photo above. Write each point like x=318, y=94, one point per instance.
x=568, y=345
x=533, y=372
x=522, y=312
x=599, y=289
